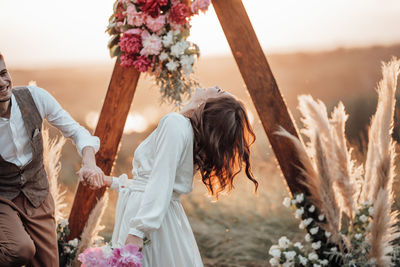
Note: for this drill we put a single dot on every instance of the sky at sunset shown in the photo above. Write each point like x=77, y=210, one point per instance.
x=54, y=32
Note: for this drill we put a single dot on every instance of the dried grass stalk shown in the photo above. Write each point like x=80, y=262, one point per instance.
x=345, y=181
x=380, y=147
x=92, y=227
x=383, y=229
x=329, y=206
x=322, y=149
x=51, y=160
x=312, y=181
x=318, y=182
x=380, y=169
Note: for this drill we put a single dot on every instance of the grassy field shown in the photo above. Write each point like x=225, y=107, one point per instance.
x=239, y=228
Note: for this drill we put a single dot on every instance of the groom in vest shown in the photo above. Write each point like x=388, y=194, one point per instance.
x=27, y=224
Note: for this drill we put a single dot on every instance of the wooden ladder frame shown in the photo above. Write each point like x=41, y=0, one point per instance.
x=259, y=81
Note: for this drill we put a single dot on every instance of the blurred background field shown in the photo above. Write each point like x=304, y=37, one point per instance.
x=238, y=229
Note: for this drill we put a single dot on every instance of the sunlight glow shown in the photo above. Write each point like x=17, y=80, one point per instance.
x=59, y=38
x=135, y=123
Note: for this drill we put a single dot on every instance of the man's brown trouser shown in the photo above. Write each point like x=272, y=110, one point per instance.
x=27, y=234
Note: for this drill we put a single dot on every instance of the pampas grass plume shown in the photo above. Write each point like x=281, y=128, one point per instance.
x=51, y=160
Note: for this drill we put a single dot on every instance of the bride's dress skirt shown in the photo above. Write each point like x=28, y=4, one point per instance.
x=172, y=245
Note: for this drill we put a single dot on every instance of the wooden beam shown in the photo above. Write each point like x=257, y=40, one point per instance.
x=109, y=129
x=261, y=85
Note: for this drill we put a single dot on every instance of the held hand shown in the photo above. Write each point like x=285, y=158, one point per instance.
x=92, y=176
x=134, y=240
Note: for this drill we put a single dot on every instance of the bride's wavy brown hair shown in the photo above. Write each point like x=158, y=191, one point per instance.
x=222, y=139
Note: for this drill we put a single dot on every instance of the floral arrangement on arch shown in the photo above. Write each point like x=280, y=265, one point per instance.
x=151, y=36
x=347, y=210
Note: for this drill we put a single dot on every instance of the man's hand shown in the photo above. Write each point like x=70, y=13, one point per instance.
x=134, y=240
x=90, y=174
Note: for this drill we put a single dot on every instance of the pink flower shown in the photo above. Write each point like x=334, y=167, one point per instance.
x=199, y=5
x=152, y=44
x=134, y=31
x=134, y=18
x=130, y=256
x=130, y=43
x=142, y=63
x=127, y=60
x=152, y=7
x=120, y=14
x=155, y=24
x=93, y=257
x=178, y=13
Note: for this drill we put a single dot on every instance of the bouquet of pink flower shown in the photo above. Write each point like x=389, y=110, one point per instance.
x=105, y=256
x=151, y=36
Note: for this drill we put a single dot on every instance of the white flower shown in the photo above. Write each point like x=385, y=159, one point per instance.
x=107, y=250
x=358, y=236
x=168, y=39
x=67, y=249
x=367, y=203
x=316, y=265
x=299, y=212
x=294, y=201
x=316, y=245
x=371, y=211
x=324, y=262
x=333, y=249
x=172, y=65
x=311, y=209
x=321, y=217
x=276, y=252
x=327, y=234
x=314, y=230
x=308, y=221
x=64, y=223
x=288, y=264
x=274, y=262
x=289, y=255
x=298, y=245
x=187, y=60
x=187, y=64
x=301, y=225
x=363, y=218
x=307, y=237
x=273, y=247
x=284, y=242
x=151, y=44
x=300, y=198
x=74, y=242
x=312, y=256
x=178, y=48
x=303, y=260
x=286, y=202
x=163, y=56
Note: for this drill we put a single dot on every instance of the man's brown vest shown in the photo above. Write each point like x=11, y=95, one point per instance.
x=30, y=179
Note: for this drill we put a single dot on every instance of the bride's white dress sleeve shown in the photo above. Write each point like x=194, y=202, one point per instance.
x=169, y=146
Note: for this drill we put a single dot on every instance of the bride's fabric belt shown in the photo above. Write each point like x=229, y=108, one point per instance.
x=139, y=185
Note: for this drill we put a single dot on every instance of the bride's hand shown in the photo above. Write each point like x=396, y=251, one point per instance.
x=107, y=181
x=134, y=240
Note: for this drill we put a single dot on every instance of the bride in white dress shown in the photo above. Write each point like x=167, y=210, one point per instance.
x=211, y=135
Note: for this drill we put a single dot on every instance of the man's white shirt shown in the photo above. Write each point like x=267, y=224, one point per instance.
x=15, y=144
